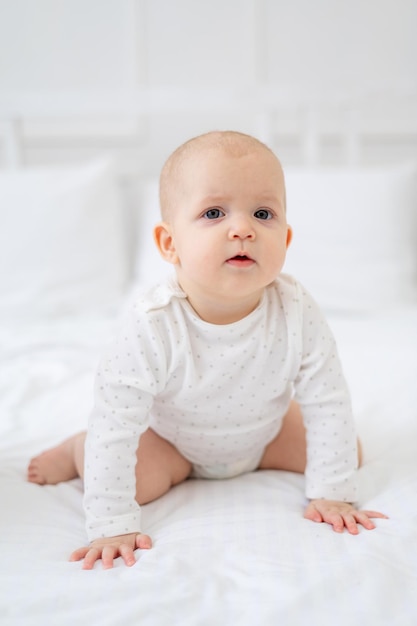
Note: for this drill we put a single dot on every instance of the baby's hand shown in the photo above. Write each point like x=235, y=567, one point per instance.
x=340, y=515
x=109, y=548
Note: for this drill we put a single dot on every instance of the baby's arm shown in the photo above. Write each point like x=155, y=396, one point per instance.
x=109, y=548
x=323, y=395
x=125, y=385
x=340, y=515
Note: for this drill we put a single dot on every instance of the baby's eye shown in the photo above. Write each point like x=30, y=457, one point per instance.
x=263, y=214
x=213, y=214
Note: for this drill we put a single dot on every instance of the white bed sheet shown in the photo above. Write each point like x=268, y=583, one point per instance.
x=225, y=552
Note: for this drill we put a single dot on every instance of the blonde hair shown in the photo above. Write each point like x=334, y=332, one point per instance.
x=232, y=142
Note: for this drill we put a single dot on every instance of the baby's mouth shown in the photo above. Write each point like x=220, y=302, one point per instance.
x=240, y=260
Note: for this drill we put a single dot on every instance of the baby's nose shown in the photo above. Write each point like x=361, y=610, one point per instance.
x=242, y=229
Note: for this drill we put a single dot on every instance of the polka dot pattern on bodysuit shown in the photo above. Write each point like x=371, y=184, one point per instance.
x=218, y=393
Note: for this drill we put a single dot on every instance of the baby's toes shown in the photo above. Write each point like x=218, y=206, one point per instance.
x=33, y=474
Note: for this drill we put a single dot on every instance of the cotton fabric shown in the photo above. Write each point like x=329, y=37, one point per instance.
x=218, y=393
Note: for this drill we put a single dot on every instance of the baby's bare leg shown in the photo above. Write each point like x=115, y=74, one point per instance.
x=159, y=465
x=59, y=464
x=288, y=451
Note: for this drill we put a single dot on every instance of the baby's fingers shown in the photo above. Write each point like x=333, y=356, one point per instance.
x=143, y=541
x=79, y=554
x=90, y=556
x=375, y=514
x=313, y=514
x=334, y=519
x=364, y=518
x=93, y=555
x=110, y=552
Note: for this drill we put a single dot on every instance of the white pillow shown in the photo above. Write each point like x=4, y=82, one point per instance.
x=150, y=268
x=355, y=236
x=62, y=246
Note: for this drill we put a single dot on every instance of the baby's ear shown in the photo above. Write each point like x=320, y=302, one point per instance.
x=289, y=235
x=165, y=242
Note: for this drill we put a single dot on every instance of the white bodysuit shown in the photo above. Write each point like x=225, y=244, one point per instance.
x=218, y=393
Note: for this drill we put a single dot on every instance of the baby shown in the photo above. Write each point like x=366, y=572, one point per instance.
x=226, y=369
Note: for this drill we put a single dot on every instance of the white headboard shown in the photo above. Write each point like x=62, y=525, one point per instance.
x=141, y=127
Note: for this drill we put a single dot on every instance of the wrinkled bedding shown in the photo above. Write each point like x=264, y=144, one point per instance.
x=225, y=552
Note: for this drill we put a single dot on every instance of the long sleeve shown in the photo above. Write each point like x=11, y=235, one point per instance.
x=127, y=379
x=322, y=392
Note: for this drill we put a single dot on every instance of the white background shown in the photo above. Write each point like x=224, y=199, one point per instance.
x=319, y=59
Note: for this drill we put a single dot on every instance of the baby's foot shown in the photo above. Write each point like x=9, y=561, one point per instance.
x=55, y=465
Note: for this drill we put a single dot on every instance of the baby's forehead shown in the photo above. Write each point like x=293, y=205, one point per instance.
x=206, y=147
x=229, y=145
x=217, y=159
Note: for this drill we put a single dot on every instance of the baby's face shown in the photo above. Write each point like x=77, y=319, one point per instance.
x=229, y=227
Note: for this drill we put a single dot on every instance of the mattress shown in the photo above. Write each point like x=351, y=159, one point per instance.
x=235, y=551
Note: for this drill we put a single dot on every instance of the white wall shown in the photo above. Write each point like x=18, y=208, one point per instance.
x=316, y=58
